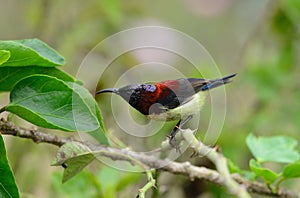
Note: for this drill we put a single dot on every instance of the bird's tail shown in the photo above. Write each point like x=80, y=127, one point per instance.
x=110, y=90
x=217, y=82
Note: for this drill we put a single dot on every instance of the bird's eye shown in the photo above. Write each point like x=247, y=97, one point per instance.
x=150, y=88
x=64, y=165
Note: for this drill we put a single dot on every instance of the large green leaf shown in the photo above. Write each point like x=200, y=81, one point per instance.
x=99, y=133
x=4, y=56
x=267, y=175
x=74, y=156
x=292, y=170
x=275, y=149
x=30, y=52
x=52, y=103
x=9, y=76
x=8, y=187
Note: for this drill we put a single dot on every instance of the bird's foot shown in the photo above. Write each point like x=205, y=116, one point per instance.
x=173, y=143
x=194, y=154
x=177, y=128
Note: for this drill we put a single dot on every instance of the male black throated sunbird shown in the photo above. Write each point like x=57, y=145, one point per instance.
x=169, y=100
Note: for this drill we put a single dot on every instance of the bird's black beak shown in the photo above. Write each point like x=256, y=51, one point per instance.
x=110, y=90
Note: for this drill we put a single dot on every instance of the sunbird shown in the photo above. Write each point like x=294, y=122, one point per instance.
x=169, y=100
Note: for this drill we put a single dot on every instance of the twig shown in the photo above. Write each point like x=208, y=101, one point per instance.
x=8, y=128
x=150, y=184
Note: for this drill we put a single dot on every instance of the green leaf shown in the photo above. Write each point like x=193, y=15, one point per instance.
x=8, y=187
x=274, y=149
x=74, y=156
x=30, y=52
x=267, y=175
x=291, y=170
x=9, y=76
x=4, y=56
x=233, y=168
x=52, y=103
x=99, y=133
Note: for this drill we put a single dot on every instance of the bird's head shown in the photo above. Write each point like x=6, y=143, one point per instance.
x=125, y=92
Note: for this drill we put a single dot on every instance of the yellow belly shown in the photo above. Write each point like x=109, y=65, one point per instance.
x=189, y=108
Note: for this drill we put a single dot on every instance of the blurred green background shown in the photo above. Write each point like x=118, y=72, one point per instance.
x=258, y=39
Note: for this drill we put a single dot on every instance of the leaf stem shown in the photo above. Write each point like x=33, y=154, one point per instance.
x=3, y=109
x=150, y=184
x=279, y=181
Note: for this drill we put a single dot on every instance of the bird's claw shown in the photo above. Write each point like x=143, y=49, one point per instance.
x=194, y=154
x=177, y=128
x=173, y=143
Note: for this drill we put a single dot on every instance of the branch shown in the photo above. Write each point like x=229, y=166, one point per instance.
x=185, y=168
x=8, y=128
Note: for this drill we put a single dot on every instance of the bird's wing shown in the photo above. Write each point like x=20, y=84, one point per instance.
x=175, y=93
x=200, y=84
